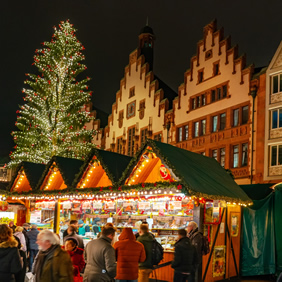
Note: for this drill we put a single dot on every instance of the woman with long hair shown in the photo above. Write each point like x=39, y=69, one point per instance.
x=10, y=260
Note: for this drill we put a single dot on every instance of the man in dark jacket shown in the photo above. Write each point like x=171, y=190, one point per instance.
x=196, y=238
x=146, y=267
x=185, y=258
x=33, y=247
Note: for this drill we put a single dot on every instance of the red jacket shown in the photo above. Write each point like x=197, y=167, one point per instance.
x=77, y=261
x=128, y=253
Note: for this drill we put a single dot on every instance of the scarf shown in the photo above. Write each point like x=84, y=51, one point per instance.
x=40, y=261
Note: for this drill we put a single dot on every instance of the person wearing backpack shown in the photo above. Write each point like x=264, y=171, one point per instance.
x=185, y=258
x=146, y=267
x=196, y=238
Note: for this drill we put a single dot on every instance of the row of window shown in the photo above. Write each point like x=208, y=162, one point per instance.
x=131, y=140
x=239, y=155
x=216, y=94
x=276, y=84
x=218, y=122
x=276, y=155
x=215, y=69
x=276, y=118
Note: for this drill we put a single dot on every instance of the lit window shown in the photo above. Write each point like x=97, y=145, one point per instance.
x=196, y=127
x=186, y=132
x=236, y=156
x=203, y=127
x=222, y=157
x=203, y=100
x=222, y=121
x=214, y=154
x=214, y=123
x=179, y=134
x=236, y=117
x=244, y=154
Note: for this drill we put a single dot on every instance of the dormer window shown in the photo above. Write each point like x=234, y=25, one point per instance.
x=131, y=92
x=200, y=76
x=216, y=69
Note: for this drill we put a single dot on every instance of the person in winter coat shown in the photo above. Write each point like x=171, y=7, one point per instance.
x=33, y=247
x=72, y=234
x=76, y=255
x=10, y=260
x=100, y=258
x=185, y=258
x=196, y=238
x=128, y=253
x=12, y=226
x=26, y=228
x=52, y=263
x=74, y=223
x=20, y=276
x=19, y=233
x=146, y=267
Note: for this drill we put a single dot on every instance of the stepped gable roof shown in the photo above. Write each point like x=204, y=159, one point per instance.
x=200, y=175
x=102, y=116
x=114, y=164
x=33, y=172
x=68, y=167
x=169, y=93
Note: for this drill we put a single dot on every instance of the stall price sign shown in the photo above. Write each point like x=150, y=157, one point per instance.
x=67, y=205
x=109, y=206
x=97, y=205
x=144, y=205
x=3, y=205
x=175, y=205
x=159, y=205
x=86, y=205
x=35, y=216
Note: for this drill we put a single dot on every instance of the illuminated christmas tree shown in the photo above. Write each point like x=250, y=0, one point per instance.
x=52, y=122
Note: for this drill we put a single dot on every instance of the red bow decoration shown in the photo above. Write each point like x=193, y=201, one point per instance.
x=179, y=187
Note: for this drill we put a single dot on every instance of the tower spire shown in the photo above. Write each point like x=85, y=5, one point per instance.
x=147, y=21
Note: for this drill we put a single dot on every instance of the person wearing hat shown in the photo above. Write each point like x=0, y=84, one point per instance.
x=72, y=234
x=83, y=228
x=76, y=254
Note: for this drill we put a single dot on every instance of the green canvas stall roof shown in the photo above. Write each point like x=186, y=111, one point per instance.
x=258, y=191
x=114, y=164
x=202, y=176
x=33, y=172
x=69, y=169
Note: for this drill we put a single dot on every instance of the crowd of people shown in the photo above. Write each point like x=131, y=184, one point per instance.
x=106, y=259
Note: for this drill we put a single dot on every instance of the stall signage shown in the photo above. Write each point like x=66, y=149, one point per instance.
x=175, y=205
x=159, y=206
x=144, y=205
x=3, y=205
x=86, y=205
x=35, y=216
x=67, y=205
x=97, y=205
x=109, y=206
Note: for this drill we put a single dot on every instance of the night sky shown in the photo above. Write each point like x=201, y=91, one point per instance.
x=109, y=31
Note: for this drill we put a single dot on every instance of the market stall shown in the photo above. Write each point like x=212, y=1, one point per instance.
x=178, y=186
x=164, y=185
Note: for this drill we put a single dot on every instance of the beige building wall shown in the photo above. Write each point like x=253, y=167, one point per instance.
x=139, y=104
x=216, y=65
x=273, y=128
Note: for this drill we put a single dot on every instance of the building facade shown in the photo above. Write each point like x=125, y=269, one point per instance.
x=273, y=119
x=215, y=112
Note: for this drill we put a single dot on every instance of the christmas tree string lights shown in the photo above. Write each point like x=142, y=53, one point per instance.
x=53, y=120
